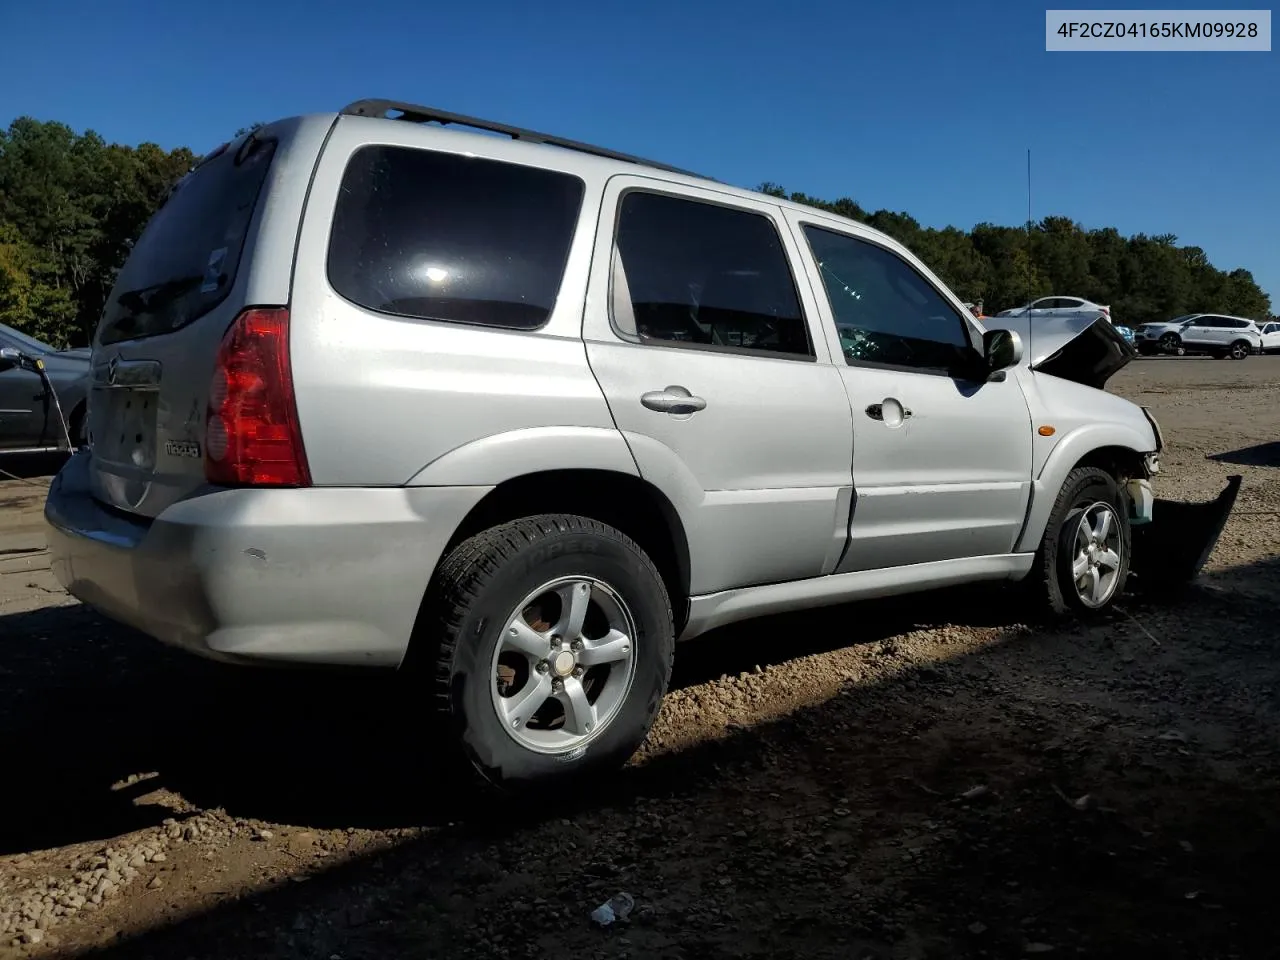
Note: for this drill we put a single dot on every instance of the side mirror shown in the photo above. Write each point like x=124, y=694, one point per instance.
x=9, y=357
x=1001, y=349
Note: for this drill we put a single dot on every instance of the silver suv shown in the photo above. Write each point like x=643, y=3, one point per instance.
x=517, y=413
x=1211, y=333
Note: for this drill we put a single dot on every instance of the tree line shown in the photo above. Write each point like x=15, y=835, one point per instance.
x=71, y=205
x=1142, y=278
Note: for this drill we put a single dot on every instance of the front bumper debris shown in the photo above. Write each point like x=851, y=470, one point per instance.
x=1174, y=546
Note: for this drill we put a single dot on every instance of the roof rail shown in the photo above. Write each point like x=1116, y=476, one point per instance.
x=395, y=110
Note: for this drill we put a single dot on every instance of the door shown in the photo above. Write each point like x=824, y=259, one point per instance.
x=1271, y=337
x=716, y=372
x=1202, y=332
x=941, y=462
x=22, y=404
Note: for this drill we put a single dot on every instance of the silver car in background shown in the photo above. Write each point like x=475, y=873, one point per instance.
x=1059, y=308
x=513, y=415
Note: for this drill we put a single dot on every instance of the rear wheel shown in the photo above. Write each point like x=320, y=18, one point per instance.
x=1239, y=350
x=1083, y=560
x=555, y=645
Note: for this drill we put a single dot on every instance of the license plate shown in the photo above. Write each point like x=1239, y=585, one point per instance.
x=127, y=432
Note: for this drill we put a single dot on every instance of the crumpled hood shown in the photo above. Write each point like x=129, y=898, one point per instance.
x=1084, y=349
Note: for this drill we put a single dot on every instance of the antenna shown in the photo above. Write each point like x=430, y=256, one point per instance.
x=1029, y=254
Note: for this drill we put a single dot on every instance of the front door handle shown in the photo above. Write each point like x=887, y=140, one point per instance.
x=897, y=412
x=673, y=399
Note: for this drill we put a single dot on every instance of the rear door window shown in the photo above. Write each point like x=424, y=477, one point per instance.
x=186, y=260
x=706, y=276
x=439, y=236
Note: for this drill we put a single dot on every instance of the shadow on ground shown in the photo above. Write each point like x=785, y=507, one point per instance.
x=850, y=828
x=84, y=703
x=30, y=466
x=1258, y=455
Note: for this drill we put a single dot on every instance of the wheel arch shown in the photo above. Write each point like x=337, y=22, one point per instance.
x=1118, y=449
x=622, y=500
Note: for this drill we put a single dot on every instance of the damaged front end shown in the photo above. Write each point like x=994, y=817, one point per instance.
x=1172, y=539
x=1173, y=546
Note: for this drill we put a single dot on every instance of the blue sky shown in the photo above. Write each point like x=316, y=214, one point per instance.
x=925, y=107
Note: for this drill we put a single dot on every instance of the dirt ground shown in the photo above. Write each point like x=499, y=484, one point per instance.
x=922, y=778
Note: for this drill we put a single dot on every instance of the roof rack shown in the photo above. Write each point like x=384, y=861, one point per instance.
x=395, y=110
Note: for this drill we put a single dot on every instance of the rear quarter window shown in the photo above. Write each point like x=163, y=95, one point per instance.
x=438, y=236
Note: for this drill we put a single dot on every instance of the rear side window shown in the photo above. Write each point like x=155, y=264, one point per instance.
x=440, y=236
x=702, y=275
x=185, y=262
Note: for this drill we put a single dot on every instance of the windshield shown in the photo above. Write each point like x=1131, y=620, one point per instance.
x=24, y=342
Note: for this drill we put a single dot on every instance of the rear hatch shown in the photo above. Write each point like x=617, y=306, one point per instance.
x=155, y=348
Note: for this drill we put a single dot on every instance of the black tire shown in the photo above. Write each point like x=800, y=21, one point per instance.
x=1051, y=576
x=478, y=587
x=1239, y=350
x=1172, y=343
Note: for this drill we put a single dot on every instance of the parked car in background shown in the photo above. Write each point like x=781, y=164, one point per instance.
x=1213, y=334
x=28, y=416
x=1271, y=337
x=644, y=405
x=1058, y=307
x=1127, y=332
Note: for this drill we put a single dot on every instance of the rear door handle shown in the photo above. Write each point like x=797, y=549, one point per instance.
x=673, y=399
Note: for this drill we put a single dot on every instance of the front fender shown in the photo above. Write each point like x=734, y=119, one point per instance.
x=504, y=456
x=1062, y=459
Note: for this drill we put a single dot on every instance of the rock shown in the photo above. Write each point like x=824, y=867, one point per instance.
x=155, y=884
x=158, y=857
x=137, y=860
x=33, y=936
x=263, y=835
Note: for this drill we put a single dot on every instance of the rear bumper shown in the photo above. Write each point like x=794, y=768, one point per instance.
x=320, y=575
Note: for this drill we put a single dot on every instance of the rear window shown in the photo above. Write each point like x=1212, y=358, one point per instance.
x=440, y=236
x=185, y=262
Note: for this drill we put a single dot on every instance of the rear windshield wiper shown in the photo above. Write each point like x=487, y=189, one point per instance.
x=149, y=299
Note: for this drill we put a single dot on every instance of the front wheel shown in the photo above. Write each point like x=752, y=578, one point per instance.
x=1083, y=560
x=1172, y=343
x=555, y=640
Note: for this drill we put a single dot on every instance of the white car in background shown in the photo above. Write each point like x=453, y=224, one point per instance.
x=1212, y=333
x=1271, y=337
x=1057, y=308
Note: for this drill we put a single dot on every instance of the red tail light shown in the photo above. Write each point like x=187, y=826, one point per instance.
x=251, y=428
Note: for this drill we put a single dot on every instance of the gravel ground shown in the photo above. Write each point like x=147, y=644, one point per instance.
x=923, y=778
